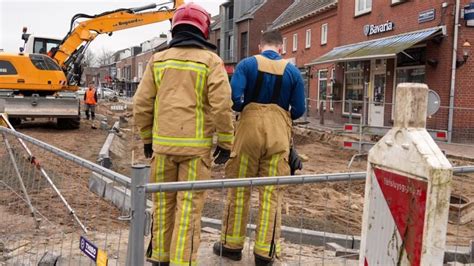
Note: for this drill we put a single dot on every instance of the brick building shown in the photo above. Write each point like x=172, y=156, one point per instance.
x=374, y=45
x=309, y=30
x=237, y=29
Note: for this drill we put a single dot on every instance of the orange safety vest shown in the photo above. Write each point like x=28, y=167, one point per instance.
x=90, y=99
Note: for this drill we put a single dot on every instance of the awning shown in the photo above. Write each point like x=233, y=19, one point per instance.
x=378, y=48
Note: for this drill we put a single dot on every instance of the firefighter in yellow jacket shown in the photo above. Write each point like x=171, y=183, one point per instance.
x=182, y=100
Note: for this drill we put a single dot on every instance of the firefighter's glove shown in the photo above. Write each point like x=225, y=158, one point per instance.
x=222, y=155
x=294, y=161
x=148, y=150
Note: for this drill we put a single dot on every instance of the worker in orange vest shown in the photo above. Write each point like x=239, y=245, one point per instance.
x=90, y=100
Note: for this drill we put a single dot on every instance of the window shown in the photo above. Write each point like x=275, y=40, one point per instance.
x=6, y=68
x=410, y=67
x=324, y=33
x=243, y=45
x=308, y=38
x=322, y=88
x=283, y=50
x=398, y=1
x=140, y=70
x=362, y=6
x=44, y=62
x=43, y=46
x=295, y=42
x=119, y=73
x=354, y=87
x=218, y=44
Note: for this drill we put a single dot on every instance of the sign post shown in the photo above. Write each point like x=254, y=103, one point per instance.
x=94, y=253
x=407, y=190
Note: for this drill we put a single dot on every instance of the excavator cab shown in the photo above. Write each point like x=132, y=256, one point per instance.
x=37, y=44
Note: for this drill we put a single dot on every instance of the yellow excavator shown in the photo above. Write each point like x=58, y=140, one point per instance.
x=41, y=80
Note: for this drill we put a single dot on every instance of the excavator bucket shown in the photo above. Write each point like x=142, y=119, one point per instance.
x=58, y=107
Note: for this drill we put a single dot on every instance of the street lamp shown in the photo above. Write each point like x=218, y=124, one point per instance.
x=466, y=47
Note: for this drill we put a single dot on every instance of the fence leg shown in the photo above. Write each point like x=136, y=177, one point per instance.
x=136, y=237
x=350, y=111
x=20, y=180
x=321, y=112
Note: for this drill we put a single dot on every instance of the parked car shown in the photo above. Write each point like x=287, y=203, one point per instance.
x=80, y=92
x=107, y=94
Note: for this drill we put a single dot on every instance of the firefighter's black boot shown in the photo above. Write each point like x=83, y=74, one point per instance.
x=261, y=261
x=233, y=254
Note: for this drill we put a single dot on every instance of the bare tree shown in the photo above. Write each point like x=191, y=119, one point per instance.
x=89, y=59
x=104, y=57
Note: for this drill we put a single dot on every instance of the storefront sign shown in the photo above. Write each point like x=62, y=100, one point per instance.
x=426, y=16
x=469, y=15
x=376, y=29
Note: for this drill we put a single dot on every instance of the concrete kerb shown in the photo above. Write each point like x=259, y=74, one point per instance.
x=104, y=154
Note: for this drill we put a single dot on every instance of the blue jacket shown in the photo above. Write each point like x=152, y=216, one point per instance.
x=292, y=88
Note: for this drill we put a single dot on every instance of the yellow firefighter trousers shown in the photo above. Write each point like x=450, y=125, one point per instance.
x=261, y=148
x=177, y=215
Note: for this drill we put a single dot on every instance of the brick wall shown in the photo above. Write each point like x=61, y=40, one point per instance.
x=306, y=55
x=262, y=19
x=143, y=59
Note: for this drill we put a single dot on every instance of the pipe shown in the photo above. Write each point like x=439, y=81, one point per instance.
x=453, y=72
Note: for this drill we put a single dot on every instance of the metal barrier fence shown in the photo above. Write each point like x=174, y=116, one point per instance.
x=336, y=113
x=48, y=214
x=322, y=232
x=311, y=249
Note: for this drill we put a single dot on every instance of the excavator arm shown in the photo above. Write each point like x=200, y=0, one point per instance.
x=72, y=48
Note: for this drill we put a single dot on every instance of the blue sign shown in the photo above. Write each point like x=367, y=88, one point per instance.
x=426, y=16
x=469, y=15
x=88, y=248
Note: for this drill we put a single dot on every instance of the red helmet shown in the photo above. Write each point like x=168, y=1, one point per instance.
x=194, y=15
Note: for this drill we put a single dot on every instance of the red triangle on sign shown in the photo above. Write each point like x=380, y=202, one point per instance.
x=406, y=199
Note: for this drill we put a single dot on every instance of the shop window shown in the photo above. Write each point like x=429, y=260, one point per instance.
x=283, y=50
x=324, y=33
x=353, y=87
x=322, y=87
x=295, y=42
x=308, y=38
x=410, y=68
x=362, y=6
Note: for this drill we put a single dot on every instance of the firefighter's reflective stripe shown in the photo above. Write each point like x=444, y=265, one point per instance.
x=158, y=75
x=161, y=254
x=185, y=218
x=224, y=137
x=266, y=247
x=267, y=197
x=183, y=263
x=199, y=87
x=239, y=201
x=146, y=134
x=201, y=76
x=182, y=142
x=182, y=65
x=239, y=240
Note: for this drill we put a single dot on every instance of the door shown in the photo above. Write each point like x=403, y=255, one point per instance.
x=377, y=92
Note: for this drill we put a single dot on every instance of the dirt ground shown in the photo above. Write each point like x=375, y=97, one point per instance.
x=333, y=207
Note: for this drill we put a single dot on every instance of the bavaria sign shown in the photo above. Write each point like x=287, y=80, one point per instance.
x=376, y=29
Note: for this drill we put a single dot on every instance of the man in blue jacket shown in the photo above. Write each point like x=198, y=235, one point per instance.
x=269, y=93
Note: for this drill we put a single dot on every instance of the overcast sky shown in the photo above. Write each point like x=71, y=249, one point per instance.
x=51, y=18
